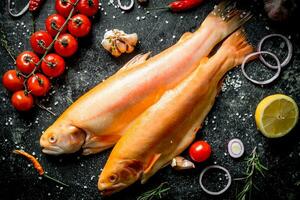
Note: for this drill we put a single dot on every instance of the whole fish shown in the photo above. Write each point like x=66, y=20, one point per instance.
x=168, y=127
x=97, y=119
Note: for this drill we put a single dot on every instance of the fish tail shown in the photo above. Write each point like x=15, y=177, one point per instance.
x=237, y=47
x=226, y=17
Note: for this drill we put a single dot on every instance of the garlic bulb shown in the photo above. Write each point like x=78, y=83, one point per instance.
x=180, y=163
x=117, y=42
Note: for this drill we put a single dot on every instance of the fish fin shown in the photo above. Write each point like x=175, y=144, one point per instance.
x=97, y=143
x=135, y=61
x=184, y=36
x=148, y=172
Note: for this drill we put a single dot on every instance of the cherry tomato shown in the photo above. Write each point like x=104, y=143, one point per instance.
x=40, y=40
x=22, y=101
x=79, y=25
x=53, y=65
x=12, y=81
x=64, y=7
x=66, y=45
x=26, y=61
x=53, y=23
x=38, y=84
x=88, y=7
x=200, y=151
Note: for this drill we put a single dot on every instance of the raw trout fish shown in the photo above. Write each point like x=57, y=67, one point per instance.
x=169, y=126
x=97, y=119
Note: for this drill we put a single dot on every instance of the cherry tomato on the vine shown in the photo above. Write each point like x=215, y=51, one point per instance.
x=12, y=81
x=64, y=7
x=88, y=7
x=53, y=65
x=40, y=40
x=22, y=101
x=79, y=25
x=66, y=45
x=26, y=61
x=53, y=23
x=200, y=151
x=38, y=84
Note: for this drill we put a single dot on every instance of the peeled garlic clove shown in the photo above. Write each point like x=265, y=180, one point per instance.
x=106, y=44
x=180, y=163
x=108, y=34
x=121, y=46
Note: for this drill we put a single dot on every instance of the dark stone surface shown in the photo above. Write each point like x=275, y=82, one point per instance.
x=232, y=115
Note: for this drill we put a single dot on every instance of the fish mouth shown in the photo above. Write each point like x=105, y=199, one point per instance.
x=107, y=191
x=53, y=150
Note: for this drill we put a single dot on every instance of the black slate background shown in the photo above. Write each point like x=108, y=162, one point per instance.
x=232, y=115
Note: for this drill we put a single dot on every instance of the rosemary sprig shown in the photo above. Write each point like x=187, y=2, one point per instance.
x=253, y=165
x=5, y=45
x=156, y=192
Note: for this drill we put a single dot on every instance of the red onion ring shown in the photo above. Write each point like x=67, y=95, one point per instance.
x=266, y=81
x=290, y=50
x=230, y=145
x=19, y=13
x=126, y=8
x=215, y=167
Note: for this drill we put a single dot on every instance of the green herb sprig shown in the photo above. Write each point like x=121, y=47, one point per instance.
x=253, y=165
x=154, y=193
x=5, y=45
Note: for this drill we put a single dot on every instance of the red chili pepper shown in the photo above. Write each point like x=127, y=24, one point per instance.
x=183, y=5
x=34, y=5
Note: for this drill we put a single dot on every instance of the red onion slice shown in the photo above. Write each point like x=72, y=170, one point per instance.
x=19, y=13
x=235, y=148
x=125, y=8
x=290, y=50
x=215, y=167
x=266, y=81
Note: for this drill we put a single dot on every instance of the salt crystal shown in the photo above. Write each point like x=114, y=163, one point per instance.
x=167, y=22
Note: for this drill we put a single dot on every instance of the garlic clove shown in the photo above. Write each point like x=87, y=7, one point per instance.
x=108, y=34
x=130, y=38
x=180, y=163
x=129, y=48
x=106, y=44
x=115, y=52
x=121, y=46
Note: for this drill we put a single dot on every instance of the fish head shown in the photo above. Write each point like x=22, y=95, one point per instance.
x=119, y=175
x=62, y=139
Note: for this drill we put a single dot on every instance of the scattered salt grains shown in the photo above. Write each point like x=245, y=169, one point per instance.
x=85, y=187
x=3, y=158
x=55, y=103
x=123, y=12
x=167, y=22
x=138, y=18
x=81, y=165
x=225, y=154
x=105, y=13
x=40, y=177
x=196, y=17
x=173, y=36
x=114, y=17
x=92, y=177
x=215, y=162
x=33, y=153
x=181, y=17
x=155, y=16
x=268, y=28
x=161, y=40
x=22, y=23
x=143, y=17
x=61, y=188
x=49, y=194
x=5, y=140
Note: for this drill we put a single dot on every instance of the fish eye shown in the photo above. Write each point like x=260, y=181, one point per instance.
x=113, y=178
x=52, y=139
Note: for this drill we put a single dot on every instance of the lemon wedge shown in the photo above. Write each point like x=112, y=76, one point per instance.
x=276, y=115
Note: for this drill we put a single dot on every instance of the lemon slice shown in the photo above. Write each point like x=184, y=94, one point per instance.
x=276, y=115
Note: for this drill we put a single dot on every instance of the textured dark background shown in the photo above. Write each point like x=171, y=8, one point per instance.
x=232, y=115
